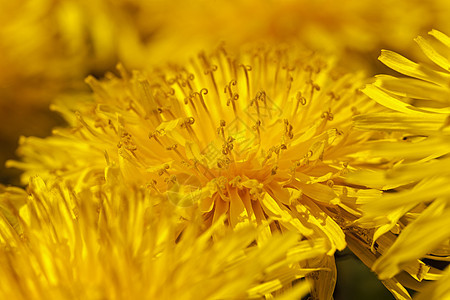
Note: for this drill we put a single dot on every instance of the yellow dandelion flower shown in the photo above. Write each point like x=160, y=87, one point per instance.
x=264, y=137
x=120, y=244
x=418, y=210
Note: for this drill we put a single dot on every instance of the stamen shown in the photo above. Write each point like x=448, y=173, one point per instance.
x=306, y=157
x=100, y=123
x=300, y=100
x=170, y=180
x=200, y=95
x=256, y=192
x=228, y=146
x=334, y=96
x=260, y=96
x=232, y=63
x=223, y=163
x=152, y=185
x=327, y=115
x=232, y=96
x=187, y=124
x=131, y=107
x=236, y=182
x=153, y=135
x=268, y=156
x=209, y=70
x=190, y=78
x=182, y=78
x=288, y=69
x=355, y=111
x=274, y=170
x=127, y=143
x=111, y=125
x=314, y=87
x=163, y=170
x=310, y=70
x=278, y=149
x=247, y=69
x=184, y=84
x=256, y=128
x=221, y=129
x=293, y=170
x=288, y=129
x=188, y=100
x=174, y=148
x=290, y=79
x=320, y=64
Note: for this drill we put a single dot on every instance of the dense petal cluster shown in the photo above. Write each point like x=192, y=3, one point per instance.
x=123, y=243
x=419, y=209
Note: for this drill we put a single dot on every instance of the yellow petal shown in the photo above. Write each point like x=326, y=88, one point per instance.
x=418, y=238
x=443, y=38
x=432, y=53
x=413, y=88
x=388, y=101
x=405, y=66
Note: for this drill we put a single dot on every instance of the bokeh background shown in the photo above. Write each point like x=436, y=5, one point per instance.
x=48, y=47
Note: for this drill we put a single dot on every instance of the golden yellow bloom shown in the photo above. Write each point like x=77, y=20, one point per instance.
x=121, y=244
x=418, y=209
x=46, y=47
x=264, y=137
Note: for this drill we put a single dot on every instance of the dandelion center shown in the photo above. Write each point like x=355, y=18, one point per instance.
x=264, y=136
